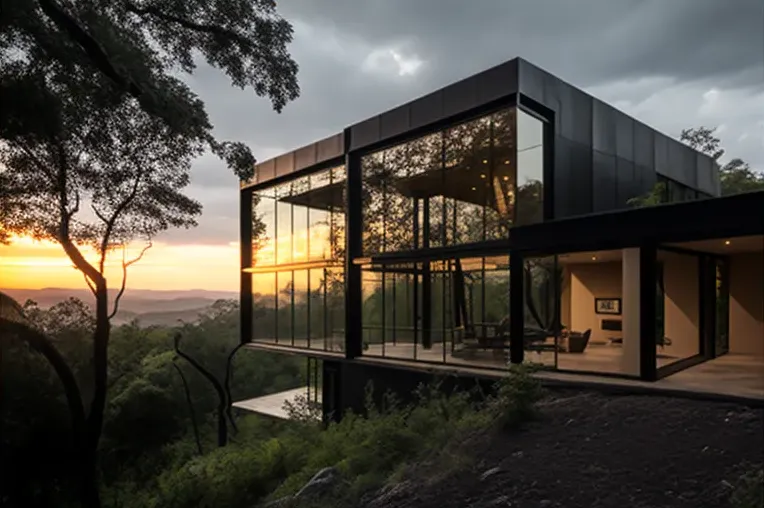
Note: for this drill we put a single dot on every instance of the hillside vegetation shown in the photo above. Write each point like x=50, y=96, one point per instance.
x=520, y=447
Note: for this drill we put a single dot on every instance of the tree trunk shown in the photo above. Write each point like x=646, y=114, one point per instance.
x=90, y=479
x=90, y=491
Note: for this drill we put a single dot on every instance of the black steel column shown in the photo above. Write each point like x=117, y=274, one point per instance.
x=707, y=303
x=426, y=278
x=516, y=307
x=245, y=284
x=648, y=280
x=353, y=250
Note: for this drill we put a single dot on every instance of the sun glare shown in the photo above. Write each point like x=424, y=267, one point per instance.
x=31, y=264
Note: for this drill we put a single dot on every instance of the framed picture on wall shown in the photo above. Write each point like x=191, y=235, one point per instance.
x=611, y=306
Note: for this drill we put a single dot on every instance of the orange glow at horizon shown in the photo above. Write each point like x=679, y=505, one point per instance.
x=30, y=264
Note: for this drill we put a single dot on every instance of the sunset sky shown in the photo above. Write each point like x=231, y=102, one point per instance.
x=673, y=65
x=35, y=265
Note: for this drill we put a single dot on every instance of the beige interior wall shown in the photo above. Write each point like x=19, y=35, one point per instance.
x=747, y=303
x=681, y=304
x=587, y=282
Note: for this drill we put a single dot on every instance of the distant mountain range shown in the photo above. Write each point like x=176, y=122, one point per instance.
x=148, y=306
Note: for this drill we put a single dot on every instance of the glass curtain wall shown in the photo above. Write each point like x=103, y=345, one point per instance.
x=460, y=187
x=678, y=325
x=298, y=250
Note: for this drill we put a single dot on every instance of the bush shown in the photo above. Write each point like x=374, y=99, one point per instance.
x=749, y=490
x=275, y=460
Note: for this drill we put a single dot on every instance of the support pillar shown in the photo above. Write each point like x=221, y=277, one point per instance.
x=245, y=283
x=648, y=270
x=516, y=307
x=631, y=312
x=353, y=250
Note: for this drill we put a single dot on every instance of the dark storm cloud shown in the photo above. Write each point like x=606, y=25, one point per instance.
x=588, y=41
x=655, y=59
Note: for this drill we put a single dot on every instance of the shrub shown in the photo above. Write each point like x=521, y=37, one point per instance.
x=749, y=490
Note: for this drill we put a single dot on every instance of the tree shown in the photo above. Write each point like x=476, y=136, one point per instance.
x=736, y=175
x=104, y=52
x=92, y=118
x=128, y=170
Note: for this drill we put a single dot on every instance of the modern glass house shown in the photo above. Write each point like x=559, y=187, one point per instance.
x=490, y=222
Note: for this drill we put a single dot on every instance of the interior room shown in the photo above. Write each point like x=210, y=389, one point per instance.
x=593, y=309
x=737, y=366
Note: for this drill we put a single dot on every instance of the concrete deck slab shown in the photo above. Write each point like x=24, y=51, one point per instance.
x=273, y=405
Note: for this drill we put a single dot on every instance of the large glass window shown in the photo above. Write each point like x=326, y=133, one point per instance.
x=298, y=251
x=678, y=334
x=530, y=169
x=464, y=185
x=448, y=311
x=541, y=306
x=599, y=312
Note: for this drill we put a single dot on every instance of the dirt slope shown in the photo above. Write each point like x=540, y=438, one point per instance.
x=592, y=451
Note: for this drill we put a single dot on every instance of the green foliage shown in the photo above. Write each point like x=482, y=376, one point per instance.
x=100, y=55
x=749, y=490
x=148, y=454
x=656, y=196
x=147, y=429
x=736, y=175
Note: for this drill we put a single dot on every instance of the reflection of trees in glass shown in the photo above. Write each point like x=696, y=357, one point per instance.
x=259, y=235
x=391, y=314
x=543, y=285
x=453, y=187
x=305, y=217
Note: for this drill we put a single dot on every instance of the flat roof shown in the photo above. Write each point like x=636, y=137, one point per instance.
x=500, y=84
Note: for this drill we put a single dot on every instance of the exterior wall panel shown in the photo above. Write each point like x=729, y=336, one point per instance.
x=305, y=157
x=644, y=145
x=689, y=167
x=531, y=81
x=604, y=182
x=661, y=153
x=603, y=127
x=624, y=136
x=458, y=98
x=365, y=133
x=394, y=122
x=426, y=110
x=330, y=148
x=581, y=177
x=564, y=205
x=627, y=184
x=284, y=164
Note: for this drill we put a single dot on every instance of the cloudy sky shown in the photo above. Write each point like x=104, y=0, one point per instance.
x=670, y=63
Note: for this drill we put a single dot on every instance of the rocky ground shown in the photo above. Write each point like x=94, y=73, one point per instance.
x=591, y=451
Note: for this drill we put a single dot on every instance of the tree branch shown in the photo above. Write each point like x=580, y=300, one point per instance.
x=222, y=426
x=216, y=30
x=113, y=220
x=228, y=375
x=40, y=343
x=90, y=284
x=64, y=236
x=125, y=265
x=89, y=45
x=191, y=410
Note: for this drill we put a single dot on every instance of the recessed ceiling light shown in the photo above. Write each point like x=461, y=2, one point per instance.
x=506, y=161
x=474, y=188
x=506, y=178
x=482, y=175
x=485, y=161
x=594, y=258
x=727, y=242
